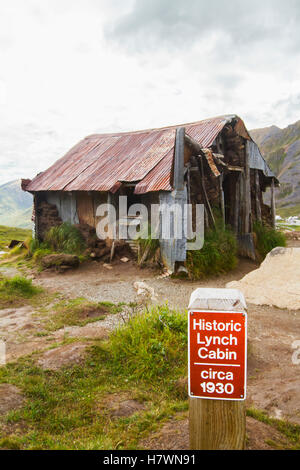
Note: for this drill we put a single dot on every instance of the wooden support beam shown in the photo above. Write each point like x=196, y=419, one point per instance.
x=222, y=200
x=237, y=204
x=188, y=183
x=216, y=421
x=247, y=188
x=217, y=424
x=257, y=197
x=179, y=159
x=273, y=207
x=208, y=208
x=193, y=145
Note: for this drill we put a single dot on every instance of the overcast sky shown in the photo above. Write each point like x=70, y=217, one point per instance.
x=70, y=68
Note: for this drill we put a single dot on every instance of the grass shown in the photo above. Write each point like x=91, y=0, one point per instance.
x=291, y=228
x=69, y=408
x=17, y=291
x=267, y=238
x=218, y=255
x=65, y=238
x=147, y=245
x=290, y=431
x=78, y=312
x=151, y=345
x=10, y=233
x=289, y=211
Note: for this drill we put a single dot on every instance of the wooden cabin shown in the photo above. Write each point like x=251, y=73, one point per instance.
x=213, y=162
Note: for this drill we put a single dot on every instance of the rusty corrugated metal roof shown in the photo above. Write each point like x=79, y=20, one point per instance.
x=101, y=162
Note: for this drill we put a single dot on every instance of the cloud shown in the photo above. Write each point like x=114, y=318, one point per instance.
x=178, y=24
x=70, y=68
x=288, y=106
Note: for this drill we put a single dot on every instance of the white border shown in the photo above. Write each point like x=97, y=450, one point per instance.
x=245, y=363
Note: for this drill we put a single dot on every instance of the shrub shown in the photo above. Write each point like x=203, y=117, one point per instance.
x=34, y=245
x=218, y=255
x=65, y=238
x=267, y=238
x=18, y=286
x=151, y=345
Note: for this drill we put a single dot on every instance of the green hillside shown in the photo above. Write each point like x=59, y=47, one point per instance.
x=15, y=205
x=281, y=149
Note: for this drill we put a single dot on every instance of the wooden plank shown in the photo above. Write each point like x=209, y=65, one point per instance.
x=205, y=197
x=242, y=204
x=273, y=206
x=85, y=208
x=188, y=177
x=217, y=424
x=179, y=159
x=222, y=200
x=247, y=197
x=237, y=205
x=257, y=196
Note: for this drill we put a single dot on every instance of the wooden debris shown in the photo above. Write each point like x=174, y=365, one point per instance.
x=60, y=261
x=107, y=266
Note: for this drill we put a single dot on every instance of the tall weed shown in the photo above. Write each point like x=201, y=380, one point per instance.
x=267, y=238
x=65, y=238
x=151, y=345
x=218, y=255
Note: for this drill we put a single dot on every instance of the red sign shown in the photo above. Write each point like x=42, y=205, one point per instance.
x=217, y=355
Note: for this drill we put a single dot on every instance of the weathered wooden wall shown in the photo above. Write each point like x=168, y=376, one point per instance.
x=54, y=207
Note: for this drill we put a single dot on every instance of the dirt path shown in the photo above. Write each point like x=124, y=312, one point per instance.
x=95, y=282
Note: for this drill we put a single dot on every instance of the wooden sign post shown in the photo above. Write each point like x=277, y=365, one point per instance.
x=217, y=369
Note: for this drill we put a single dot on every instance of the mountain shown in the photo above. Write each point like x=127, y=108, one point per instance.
x=15, y=205
x=281, y=149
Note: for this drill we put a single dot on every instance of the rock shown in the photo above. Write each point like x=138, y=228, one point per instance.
x=127, y=408
x=143, y=290
x=173, y=435
x=11, y=398
x=275, y=282
x=63, y=356
x=121, y=405
x=182, y=269
x=124, y=259
x=62, y=260
x=107, y=266
x=166, y=273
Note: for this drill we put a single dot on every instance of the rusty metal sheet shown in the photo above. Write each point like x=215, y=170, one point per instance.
x=159, y=178
x=130, y=159
x=205, y=132
x=210, y=160
x=43, y=181
x=241, y=130
x=101, y=162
